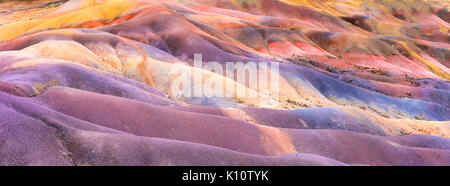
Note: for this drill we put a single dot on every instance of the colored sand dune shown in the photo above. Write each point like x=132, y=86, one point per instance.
x=87, y=82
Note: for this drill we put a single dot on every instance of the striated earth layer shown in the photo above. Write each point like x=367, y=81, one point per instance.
x=88, y=82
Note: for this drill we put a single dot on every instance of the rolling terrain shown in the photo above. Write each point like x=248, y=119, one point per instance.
x=88, y=82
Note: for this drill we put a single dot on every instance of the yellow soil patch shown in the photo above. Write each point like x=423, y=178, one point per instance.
x=436, y=70
x=103, y=12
